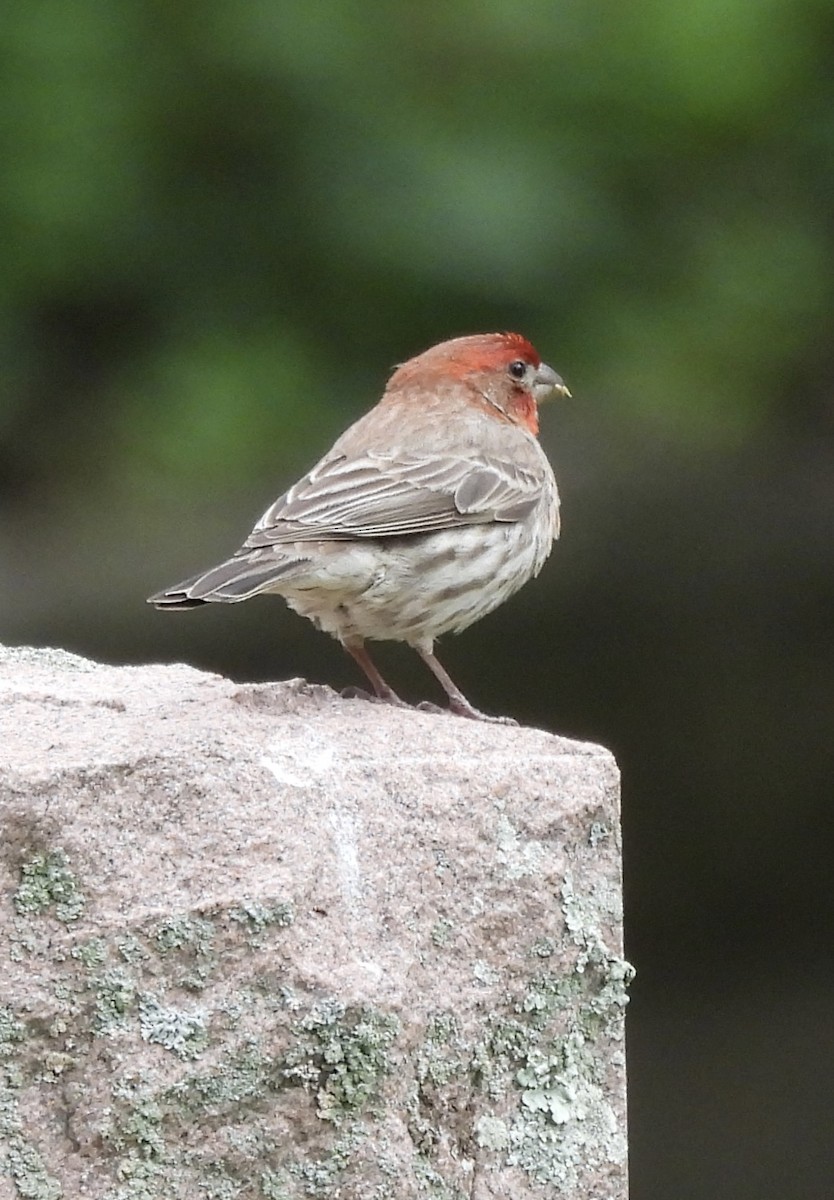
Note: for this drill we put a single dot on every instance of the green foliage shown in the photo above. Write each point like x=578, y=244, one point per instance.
x=221, y=217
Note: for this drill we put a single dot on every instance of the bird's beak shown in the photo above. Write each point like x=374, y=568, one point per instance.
x=546, y=381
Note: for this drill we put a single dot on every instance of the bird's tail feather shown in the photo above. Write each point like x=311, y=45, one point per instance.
x=237, y=579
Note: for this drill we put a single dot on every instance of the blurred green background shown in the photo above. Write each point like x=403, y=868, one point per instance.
x=225, y=220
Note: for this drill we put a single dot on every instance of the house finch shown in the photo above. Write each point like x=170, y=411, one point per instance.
x=427, y=513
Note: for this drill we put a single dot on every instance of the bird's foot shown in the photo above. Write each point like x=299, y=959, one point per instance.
x=357, y=693
x=457, y=708
x=462, y=708
x=458, y=704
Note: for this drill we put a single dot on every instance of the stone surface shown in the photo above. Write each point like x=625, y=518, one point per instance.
x=262, y=942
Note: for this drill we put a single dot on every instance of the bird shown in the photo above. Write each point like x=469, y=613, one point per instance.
x=428, y=512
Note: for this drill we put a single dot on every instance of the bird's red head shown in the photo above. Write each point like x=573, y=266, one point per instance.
x=470, y=355
x=506, y=372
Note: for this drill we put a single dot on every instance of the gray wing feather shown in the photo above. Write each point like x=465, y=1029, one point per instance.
x=376, y=497
x=238, y=578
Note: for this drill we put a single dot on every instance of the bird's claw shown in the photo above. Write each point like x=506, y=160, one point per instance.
x=464, y=710
x=357, y=693
x=474, y=714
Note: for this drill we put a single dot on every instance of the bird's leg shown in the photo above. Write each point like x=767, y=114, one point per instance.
x=382, y=691
x=457, y=701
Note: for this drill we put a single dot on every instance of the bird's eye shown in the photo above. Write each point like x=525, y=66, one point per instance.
x=517, y=369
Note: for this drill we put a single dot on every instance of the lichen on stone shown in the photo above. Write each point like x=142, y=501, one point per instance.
x=598, y=832
x=183, y=931
x=23, y=1161
x=274, y=1185
x=543, y=947
x=441, y=932
x=322, y=1176
x=258, y=917
x=518, y=857
x=130, y=949
x=180, y=1031
x=343, y=1054
x=28, y=1172
x=12, y=1031
x=241, y=1077
x=114, y=999
x=46, y=882
x=191, y=939
x=447, y=1028
x=491, y=1132
x=564, y=1125
x=91, y=953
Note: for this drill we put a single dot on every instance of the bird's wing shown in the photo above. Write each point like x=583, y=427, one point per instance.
x=374, y=496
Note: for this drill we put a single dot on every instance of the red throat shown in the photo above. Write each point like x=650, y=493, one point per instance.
x=523, y=408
